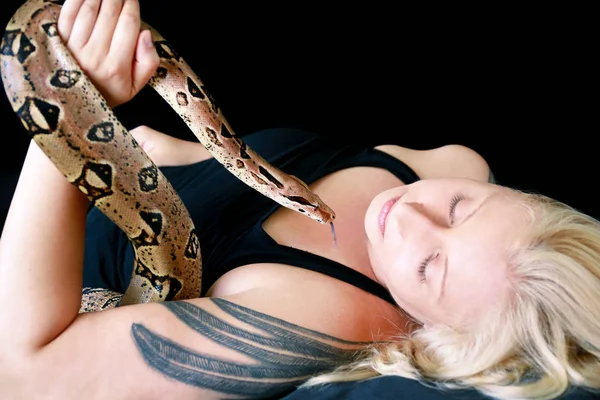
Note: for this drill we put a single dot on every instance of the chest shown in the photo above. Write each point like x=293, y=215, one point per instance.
x=349, y=193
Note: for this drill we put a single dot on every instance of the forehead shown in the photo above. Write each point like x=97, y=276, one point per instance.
x=478, y=260
x=499, y=219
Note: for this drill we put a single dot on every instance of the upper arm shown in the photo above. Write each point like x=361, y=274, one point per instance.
x=202, y=348
x=449, y=161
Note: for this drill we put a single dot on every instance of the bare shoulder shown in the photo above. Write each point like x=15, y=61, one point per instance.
x=449, y=161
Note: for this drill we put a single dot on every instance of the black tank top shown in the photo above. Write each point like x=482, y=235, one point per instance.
x=229, y=215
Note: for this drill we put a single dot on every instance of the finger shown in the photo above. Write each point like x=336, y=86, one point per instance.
x=84, y=23
x=108, y=16
x=127, y=31
x=146, y=61
x=66, y=18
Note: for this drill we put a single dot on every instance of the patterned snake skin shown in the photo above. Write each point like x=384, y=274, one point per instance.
x=72, y=123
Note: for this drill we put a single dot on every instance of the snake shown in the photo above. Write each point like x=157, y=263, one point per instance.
x=71, y=121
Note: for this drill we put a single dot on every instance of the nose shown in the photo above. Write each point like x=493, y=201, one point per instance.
x=413, y=218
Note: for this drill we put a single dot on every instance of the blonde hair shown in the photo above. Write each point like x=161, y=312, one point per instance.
x=542, y=340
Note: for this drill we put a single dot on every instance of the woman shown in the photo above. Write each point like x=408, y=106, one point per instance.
x=497, y=290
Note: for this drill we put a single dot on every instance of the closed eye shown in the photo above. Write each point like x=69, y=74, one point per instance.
x=423, y=266
x=457, y=198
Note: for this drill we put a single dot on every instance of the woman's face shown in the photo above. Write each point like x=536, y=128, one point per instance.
x=440, y=246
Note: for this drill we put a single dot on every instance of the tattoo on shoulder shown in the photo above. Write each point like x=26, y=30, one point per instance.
x=284, y=355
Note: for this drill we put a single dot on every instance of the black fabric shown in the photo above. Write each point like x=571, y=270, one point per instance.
x=396, y=388
x=229, y=215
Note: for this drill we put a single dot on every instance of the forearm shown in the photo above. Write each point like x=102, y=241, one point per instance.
x=41, y=257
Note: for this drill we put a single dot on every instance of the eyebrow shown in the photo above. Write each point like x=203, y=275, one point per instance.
x=442, y=288
x=477, y=208
x=443, y=282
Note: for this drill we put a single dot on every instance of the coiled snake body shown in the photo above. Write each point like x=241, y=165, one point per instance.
x=74, y=126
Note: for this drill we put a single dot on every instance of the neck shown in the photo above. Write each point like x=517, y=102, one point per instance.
x=350, y=247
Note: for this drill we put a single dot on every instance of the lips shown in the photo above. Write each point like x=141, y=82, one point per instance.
x=385, y=211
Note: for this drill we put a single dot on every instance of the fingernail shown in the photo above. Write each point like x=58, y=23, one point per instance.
x=148, y=39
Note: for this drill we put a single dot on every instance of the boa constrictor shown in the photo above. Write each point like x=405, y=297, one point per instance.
x=72, y=123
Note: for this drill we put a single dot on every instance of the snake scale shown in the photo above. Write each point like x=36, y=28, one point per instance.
x=72, y=123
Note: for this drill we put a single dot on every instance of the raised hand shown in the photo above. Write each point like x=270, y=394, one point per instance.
x=104, y=37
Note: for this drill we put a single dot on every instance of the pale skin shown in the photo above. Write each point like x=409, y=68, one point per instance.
x=48, y=350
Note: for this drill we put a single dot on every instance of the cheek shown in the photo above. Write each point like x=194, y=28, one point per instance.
x=397, y=275
x=391, y=268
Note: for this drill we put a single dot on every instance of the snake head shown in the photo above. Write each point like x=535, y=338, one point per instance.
x=310, y=203
x=324, y=213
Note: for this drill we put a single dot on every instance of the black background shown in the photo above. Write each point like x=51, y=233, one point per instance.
x=518, y=86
